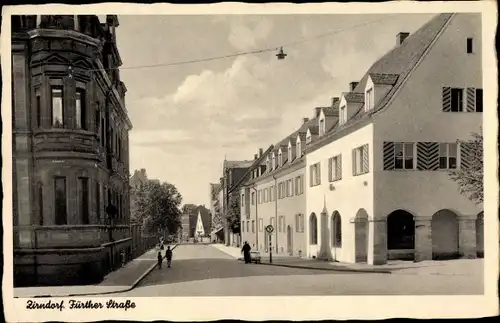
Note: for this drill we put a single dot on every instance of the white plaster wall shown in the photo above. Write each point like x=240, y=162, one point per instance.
x=350, y=193
x=416, y=115
x=257, y=211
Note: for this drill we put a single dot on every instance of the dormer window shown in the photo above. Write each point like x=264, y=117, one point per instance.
x=273, y=162
x=308, y=138
x=369, y=100
x=268, y=164
x=290, y=155
x=299, y=150
x=343, y=115
x=280, y=159
x=322, y=127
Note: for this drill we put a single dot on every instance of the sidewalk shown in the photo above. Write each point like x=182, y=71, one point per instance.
x=464, y=267
x=120, y=280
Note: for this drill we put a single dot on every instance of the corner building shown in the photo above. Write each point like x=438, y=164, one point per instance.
x=70, y=150
x=378, y=181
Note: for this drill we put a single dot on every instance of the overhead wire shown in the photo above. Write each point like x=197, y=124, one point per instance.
x=270, y=49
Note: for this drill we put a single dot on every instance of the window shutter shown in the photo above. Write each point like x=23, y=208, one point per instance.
x=427, y=155
x=366, y=160
x=446, y=99
x=354, y=162
x=338, y=171
x=388, y=155
x=471, y=99
x=465, y=155
x=330, y=170
x=311, y=175
x=318, y=173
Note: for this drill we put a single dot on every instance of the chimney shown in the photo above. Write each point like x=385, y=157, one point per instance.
x=335, y=100
x=317, y=112
x=255, y=157
x=400, y=38
x=352, y=86
x=260, y=152
x=304, y=120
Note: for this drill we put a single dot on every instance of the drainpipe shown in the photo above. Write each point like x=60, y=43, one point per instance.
x=276, y=209
x=256, y=218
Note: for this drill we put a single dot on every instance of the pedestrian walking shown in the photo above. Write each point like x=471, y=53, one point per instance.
x=168, y=255
x=160, y=259
x=246, y=252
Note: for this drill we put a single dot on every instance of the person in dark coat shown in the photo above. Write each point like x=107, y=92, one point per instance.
x=246, y=252
x=160, y=259
x=168, y=255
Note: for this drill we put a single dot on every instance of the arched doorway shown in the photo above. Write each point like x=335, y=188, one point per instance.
x=336, y=230
x=445, y=235
x=480, y=235
x=361, y=236
x=313, y=229
x=289, y=240
x=400, y=235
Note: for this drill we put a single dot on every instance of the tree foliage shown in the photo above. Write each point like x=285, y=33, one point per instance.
x=158, y=207
x=470, y=179
x=233, y=213
x=217, y=217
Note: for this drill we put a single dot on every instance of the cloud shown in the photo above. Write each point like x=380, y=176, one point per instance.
x=246, y=33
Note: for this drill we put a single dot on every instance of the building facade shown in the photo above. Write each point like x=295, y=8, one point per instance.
x=379, y=185
x=376, y=161
x=70, y=150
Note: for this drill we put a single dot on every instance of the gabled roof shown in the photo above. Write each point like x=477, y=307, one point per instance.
x=238, y=163
x=403, y=58
x=314, y=129
x=400, y=61
x=383, y=79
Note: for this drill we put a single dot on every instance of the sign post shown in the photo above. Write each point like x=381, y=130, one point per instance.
x=269, y=230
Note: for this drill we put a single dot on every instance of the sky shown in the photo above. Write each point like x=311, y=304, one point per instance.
x=188, y=118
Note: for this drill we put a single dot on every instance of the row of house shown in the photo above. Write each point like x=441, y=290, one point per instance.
x=366, y=178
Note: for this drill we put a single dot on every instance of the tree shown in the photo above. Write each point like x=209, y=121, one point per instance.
x=470, y=175
x=216, y=217
x=233, y=213
x=158, y=207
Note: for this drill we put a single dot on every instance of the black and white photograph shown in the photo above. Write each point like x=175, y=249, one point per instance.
x=157, y=158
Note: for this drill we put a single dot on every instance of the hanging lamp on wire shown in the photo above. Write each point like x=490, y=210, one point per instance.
x=281, y=54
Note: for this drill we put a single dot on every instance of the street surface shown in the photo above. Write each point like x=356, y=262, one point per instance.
x=202, y=270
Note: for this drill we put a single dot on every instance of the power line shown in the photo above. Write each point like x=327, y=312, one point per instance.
x=291, y=44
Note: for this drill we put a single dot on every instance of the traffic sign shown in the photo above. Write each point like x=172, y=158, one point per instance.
x=269, y=229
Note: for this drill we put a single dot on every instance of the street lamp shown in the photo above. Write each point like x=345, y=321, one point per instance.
x=281, y=55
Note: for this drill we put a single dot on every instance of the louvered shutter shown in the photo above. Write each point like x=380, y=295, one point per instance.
x=427, y=155
x=354, y=173
x=388, y=155
x=330, y=169
x=318, y=174
x=366, y=160
x=465, y=155
x=338, y=171
x=446, y=99
x=471, y=99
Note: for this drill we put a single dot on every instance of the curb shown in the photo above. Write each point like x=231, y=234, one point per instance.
x=371, y=271
x=134, y=285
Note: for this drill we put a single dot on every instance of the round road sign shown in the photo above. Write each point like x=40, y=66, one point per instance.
x=269, y=229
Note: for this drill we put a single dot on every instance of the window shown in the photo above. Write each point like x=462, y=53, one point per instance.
x=343, y=115
x=280, y=159
x=242, y=200
x=334, y=168
x=313, y=230
x=336, y=230
x=57, y=107
x=103, y=135
x=60, y=201
x=448, y=156
x=289, y=187
x=299, y=150
x=290, y=154
x=248, y=226
x=259, y=194
x=470, y=45
x=80, y=116
x=457, y=96
x=253, y=226
x=98, y=200
x=266, y=195
x=479, y=100
x=273, y=162
x=299, y=182
x=253, y=198
x=360, y=160
x=322, y=127
x=242, y=226
x=271, y=193
x=403, y=155
x=272, y=221
x=308, y=138
x=261, y=225
x=315, y=173
x=38, y=109
x=369, y=100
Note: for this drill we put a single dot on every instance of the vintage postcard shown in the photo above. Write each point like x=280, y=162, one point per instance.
x=254, y=162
